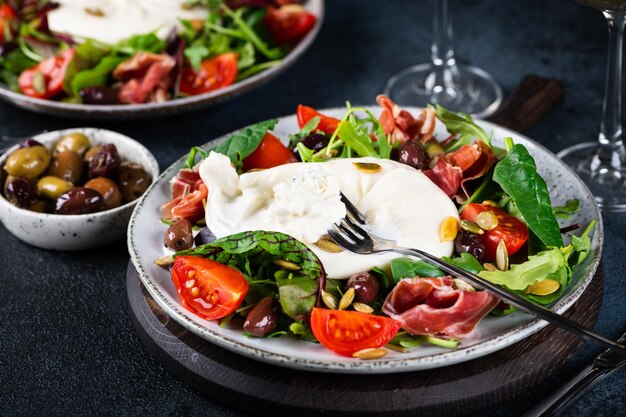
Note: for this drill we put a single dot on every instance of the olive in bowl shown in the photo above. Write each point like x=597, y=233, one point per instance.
x=54, y=196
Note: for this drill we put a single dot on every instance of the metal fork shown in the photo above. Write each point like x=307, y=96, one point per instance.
x=350, y=233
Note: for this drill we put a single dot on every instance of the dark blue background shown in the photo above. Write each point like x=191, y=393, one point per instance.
x=67, y=345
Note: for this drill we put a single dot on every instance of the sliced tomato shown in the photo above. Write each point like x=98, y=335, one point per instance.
x=208, y=288
x=510, y=229
x=214, y=73
x=191, y=206
x=7, y=15
x=288, y=23
x=345, y=332
x=45, y=80
x=327, y=124
x=270, y=153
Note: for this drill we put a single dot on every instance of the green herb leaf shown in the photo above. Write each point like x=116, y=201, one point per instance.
x=517, y=175
x=149, y=43
x=247, y=56
x=461, y=124
x=356, y=138
x=409, y=268
x=96, y=76
x=566, y=210
x=195, y=54
x=244, y=142
x=301, y=329
x=466, y=262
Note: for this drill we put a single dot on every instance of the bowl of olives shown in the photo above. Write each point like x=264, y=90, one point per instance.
x=73, y=189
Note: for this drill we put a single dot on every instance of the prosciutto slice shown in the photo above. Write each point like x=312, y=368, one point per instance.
x=445, y=176
x=432, y=306
x=402, y=125
x=144, y=77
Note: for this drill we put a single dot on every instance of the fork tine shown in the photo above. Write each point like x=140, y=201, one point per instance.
x=346, y=232
x=353, y=212
x=340, y=239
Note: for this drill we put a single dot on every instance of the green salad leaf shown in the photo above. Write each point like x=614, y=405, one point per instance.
x=467, y=262
x=244, y=142
x=566, y=210
x=517, y=175
x=97, y=76
x=409, y=268
x=461, y=124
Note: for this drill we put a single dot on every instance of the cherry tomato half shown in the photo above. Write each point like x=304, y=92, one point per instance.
x=510, y=229
x=208, y=288
x=45, y=80
x=327, y=124
x=345, y=332
x=7, y=15
x=214, y=73
x=270, y=153
x=288, y=23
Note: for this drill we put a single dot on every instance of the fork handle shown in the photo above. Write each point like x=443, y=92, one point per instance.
x=513, y=298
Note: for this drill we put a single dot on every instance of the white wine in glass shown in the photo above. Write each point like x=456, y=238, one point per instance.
x=602, y=164
x=442, y=81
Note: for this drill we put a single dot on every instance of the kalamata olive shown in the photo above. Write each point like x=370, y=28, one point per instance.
x=470, y=243
x=79, y=200
x=20, y=191
x=52, y=187
x=314, y=141
x=412, y=153
x=204, y=236
x=91, y=152
x=75, y=142
x=29, y=143
x=366, y=287
x=109, y=190
x=98, y=95
x=67, y=165
x=133, y=181
x=27, y=162
x=105, y=162
x=262, y=318
x=179, y=235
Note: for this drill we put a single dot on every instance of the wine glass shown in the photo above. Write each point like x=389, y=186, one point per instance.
x=458, y=88
x=602, y=164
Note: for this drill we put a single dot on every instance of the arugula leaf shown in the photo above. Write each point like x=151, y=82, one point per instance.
x=306, y=130
x=255, y=69
x=96, y=76
x=251, y=35
x=461, y=124
x=195, y=54
x=301, y=329
x=246, y=56
x=569, y=208
x=356, y=138
x=517, y=175
x=244, y=142
x=190, y=162
x=149, y=43
x=467, y=262
x=409, y=268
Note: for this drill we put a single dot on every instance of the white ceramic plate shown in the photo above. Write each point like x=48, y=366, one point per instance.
x=145, y=241
x=175, y=106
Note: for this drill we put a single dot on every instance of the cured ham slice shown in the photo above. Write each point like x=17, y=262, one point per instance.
x=402, y=125
x=187, y=181
x=432, y=306
x=445, y=176
x=188, y=190
x=144, y=77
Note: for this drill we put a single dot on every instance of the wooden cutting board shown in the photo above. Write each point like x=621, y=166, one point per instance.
x=263, y=389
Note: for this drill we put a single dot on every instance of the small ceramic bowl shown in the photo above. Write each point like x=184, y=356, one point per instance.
x=82, y=231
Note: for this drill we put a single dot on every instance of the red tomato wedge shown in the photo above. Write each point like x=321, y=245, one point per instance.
x=346, y=332
x=288, y=23
x=510, y=229
x=7, y=15
x=327, y=124
x=208, y=288
x=270, y=153
x=45, y=80
x=214, y=73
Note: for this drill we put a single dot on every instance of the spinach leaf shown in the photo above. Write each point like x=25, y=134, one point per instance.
x=467, y=262
x=382, y=278
x=409, y=268
x=96, y=76
x=244, y=142
x=461, y=124
x=517, y=175
x=569, y=208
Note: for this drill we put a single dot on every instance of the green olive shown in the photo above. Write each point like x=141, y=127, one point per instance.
x=28, y=162
x=53, y=187
x=108, y=189
x=75, y=142
x=67, y=165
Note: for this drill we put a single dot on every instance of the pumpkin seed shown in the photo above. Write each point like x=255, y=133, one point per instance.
x=433, y=149
x=362, y=308
x=448, y=229
x=347, y=299
x=329, y=300
x=326, y=244
x=545, y=287
x=471, y=227
x=462, y=285
x=367, y=167
x=487, y=220
x=489, y=266
x=290, y=266
x=255, y=170
x=165, y=261
x=370, y=353
x=502, y=256
x=491, y=203
x=94, y=11
x=39, y=82
x=397, y=348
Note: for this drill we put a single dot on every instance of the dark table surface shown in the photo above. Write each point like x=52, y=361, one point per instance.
x=67, y=344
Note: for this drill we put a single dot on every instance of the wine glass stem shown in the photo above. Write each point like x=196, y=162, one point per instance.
x=610, y=138
x=442, y=53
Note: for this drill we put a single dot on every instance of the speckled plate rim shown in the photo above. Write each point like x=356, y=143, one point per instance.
x=388, y=364
x=172, y=106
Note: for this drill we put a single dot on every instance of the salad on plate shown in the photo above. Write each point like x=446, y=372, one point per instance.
x=121, y=52
x=246, y=230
